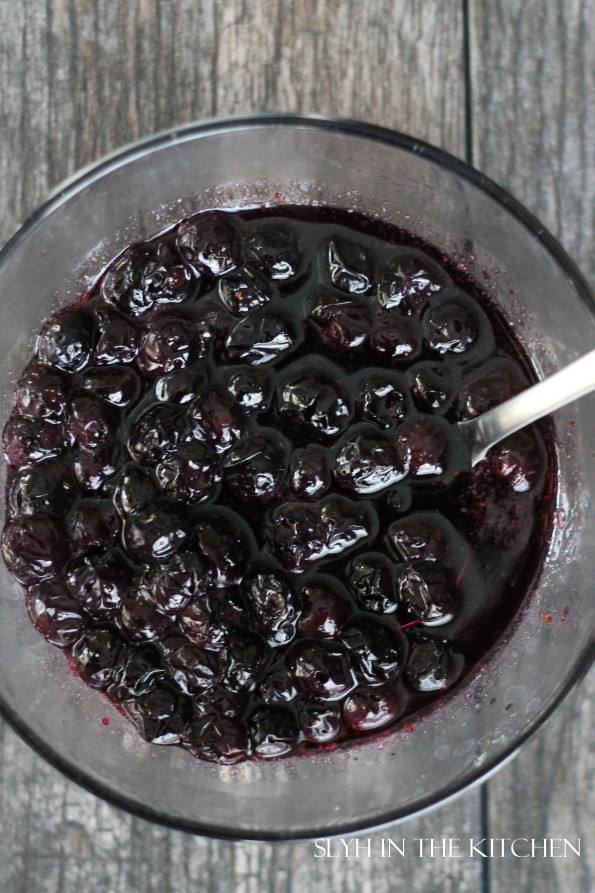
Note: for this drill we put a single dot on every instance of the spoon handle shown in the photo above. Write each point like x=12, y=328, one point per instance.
x=575, y=380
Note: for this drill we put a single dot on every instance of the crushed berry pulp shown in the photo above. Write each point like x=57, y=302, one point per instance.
x=236, y=495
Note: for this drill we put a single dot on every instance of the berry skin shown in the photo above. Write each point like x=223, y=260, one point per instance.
x=91, y=421
x=161, y=714
x=242, y=661
x=427, y=590
x=309, y=472
x=410, y=281
x=259, y=338
x=252, y=389
x=34, y=548
x=117, y=338
x=154, y=533
x=370, y=708
x=273, y=732
x=371, y=579
x=255, y=468
x=190, y=473
x=27, y=441
x=94, y=469
x=98, y=655
x=222, y=538
x=210, y=244
x=211, y=616
x=342, y=326
x=193, y=669
x=324, y=607
x=320, y=723
x=217, y=739
x=48, y=487
x=119, y=385
x=168, y=344
x=140, y=620
x=40, y=393
x=92, y=525
x=54, y=613
x=66, y=341
x=244, y=291
x=272, y=605
x=321, y=670
x=381, y=398
x=275, y=251
x=432, y=666
x=374, y=650
x=99, y=585
x=315, y=401
x=350, y=266
x=368, y=461
x=157, y=433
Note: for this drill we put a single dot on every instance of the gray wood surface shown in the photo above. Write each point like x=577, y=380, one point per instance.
x=79, y=78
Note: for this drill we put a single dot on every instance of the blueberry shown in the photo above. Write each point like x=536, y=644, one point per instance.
x=381, y=398
x=94, y=469
x=342, y=326
x=225, y=542
x=255, y=468
x=274, y=249
x=309, y=472
x=273, y=732
x=54, y=613
x=432, y=665
x=370, y=708
x=190, y=473
x=117, y=340
x=321, y=670
x=154, y=532
x=410, y=280
x=182, y=386
x=91, y=421
x=252, y=389
x=34, y=547
x=216, y=418
x=210, y=619
x=395, y=339
x=92, y=525
x=210, y=243
x=98, y=655
x=434, y=386
x=368, y=461
x=173, y=583
x=427, y=589
x=244, y=291
x=135, y=488
x=99, y=584
x=217, y=739
x=314, y=400
x=192, y=668
x=168, y=344
x=157, y=432
x=142, y=278
x=259, y=338
x=276, y=687
x=27, y=441
x=456, y=326
x=161, y=715
x=320, y=723
x=426, y=536
x=371, y=579
x=142, y=672
x=324, y=607
x=424, y=443
x=140, y=620
x=119, y=385
x=66, y=341
x=48, y=487
x=350, y=266
x=242, y=660
x=272, y=605
x=497, y=380
x=375, y=651
x=40, y=393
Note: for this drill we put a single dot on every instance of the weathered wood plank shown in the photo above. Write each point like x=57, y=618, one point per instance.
x=533, y=90
x=80, y=78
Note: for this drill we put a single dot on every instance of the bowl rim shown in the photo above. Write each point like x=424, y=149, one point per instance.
x=219, y=126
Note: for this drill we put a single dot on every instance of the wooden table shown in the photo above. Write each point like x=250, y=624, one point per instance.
x=506, y=84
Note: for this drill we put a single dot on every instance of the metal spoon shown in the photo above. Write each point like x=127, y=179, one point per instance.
x=575, y=380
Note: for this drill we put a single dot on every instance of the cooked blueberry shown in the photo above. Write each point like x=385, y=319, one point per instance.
x=276, y=687
x=259, y=338
x=368, y=461
x=141, y=673
x=98, y=655
x=173, y=583
x=27, y=441
x=217, y=739
x=134, y=489
x=350, y=266
x=48, y=487
x=190, y=473
x=426, y=536
x=66, y=341
x=94, y=469
x=434, y=386
x=375, y=651
x=370, y=708
x=424, y=446
x=168, y=344
x=517, y=463
x=273, y=732
x=274, y=249
x=273, y=606
x=455, y=325
x=223, y=539
x=381, y=398
x=342, y=326
x=252, y=388
x=210, y=619
x=242, y=660
x=118, y=385
x=244, y=291
x=301, y=535
x=140, y=279
x=161, y=715
x=91, y=525
x=427, y=589
x=157, y=433
x=54, y=613
x=210, y=243
x=154, y=532
x=492, y=383
x=309, y=472
x=140, y=620
x=91, y=421
x=118, y=339
x=395, y=338
x=99, y=584
x=40, y=393
x=320, y=723
x=371, y=578
x=182, y=386
x=315, y=400
x=322, y=670
x=324, y=607
x=34, y=547
x=255, y=468
x=409, y=281
x=192, y=668
x=432, y=665
x=216, y=418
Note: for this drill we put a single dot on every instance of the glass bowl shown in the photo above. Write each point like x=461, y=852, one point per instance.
x=268, y=160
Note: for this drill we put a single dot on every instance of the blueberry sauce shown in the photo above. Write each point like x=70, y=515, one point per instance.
x=236, y=496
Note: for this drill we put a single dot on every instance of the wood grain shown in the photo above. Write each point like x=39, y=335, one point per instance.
x=79, y=78
x=533, y=112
